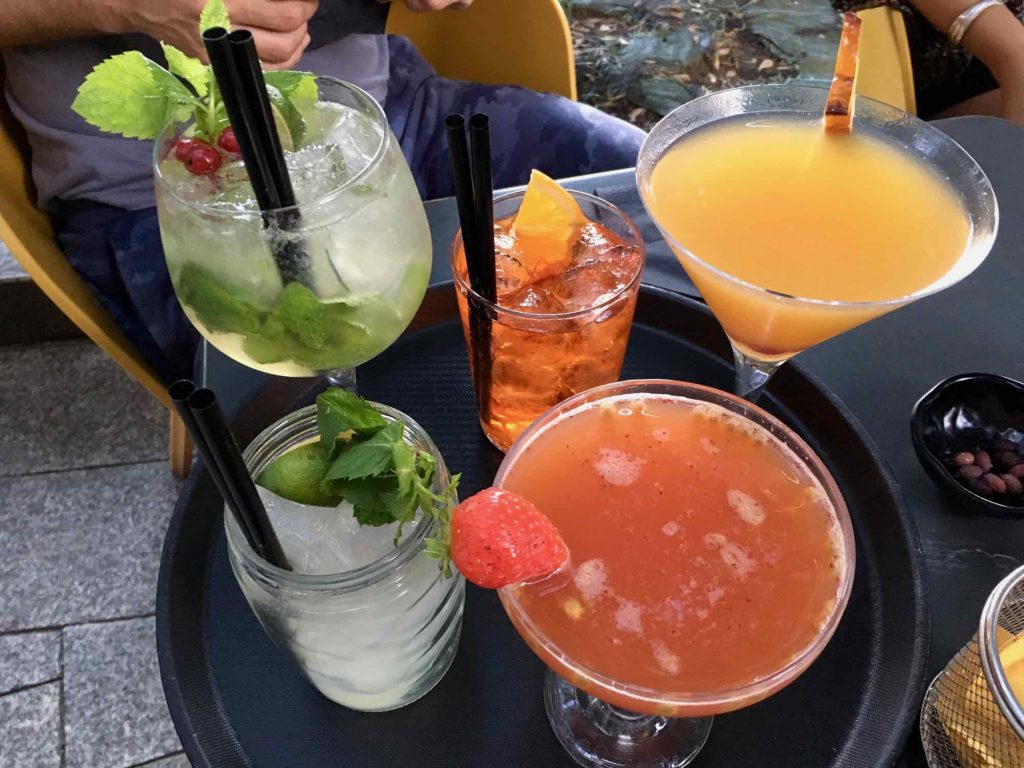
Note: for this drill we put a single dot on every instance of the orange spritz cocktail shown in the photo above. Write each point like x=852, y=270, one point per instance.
x=711, y=552
x=568, y=272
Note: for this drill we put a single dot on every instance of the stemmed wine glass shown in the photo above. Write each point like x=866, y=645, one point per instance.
x=354, y=270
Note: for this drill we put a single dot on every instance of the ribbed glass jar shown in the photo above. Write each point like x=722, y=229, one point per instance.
x=373, y=638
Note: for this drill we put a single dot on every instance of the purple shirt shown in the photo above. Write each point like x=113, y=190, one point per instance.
x=71, y=160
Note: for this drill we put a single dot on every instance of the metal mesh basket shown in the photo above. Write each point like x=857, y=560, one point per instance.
x=970, y=717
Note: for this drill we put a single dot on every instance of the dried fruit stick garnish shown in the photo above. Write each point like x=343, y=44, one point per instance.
x=839, y=107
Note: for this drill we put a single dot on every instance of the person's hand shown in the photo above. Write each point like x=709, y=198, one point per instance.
x=422, y=6
x=279, y=26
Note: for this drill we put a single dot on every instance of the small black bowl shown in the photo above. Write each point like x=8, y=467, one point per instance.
x=967, y=413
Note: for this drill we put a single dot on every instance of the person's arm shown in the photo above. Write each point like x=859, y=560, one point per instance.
x=279, y=26
x=996, y=37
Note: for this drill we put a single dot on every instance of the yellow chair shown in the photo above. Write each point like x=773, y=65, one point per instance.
x=885, y=70
x=520, y=42
x=27, y=232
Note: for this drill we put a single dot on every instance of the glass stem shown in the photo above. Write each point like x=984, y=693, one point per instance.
x=343, y=378
x=600, y=735
x=752, y=375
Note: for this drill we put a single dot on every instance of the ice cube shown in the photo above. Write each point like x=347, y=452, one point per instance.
x=316, y=171
x=356, y=136
x=322, y=540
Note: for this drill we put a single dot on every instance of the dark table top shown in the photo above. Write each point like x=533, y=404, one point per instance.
x=879, y=370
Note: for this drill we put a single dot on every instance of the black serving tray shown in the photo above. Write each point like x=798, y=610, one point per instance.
x=236, y=700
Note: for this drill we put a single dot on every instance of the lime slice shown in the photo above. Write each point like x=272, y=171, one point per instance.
x=291, y=127
x=296, y=476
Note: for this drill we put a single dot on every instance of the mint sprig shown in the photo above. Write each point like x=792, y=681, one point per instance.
x=214, y=14
x=366, y=462
x=136, y=97
x=133, y=96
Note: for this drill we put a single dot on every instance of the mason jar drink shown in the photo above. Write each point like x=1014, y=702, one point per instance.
x=373, y=625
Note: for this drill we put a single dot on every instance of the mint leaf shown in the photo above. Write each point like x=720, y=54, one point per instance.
x=367, y=458
x=300, y=311
x=297, y=86
x=368, y=498
x=191, y=70
x=372, y=516
x=216, y=305
x=133, y=96
x=215, y=14
x=338, y=410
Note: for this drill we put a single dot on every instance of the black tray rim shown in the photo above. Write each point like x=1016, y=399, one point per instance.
x=916, y=680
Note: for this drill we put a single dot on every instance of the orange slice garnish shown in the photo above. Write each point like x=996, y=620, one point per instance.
x=547, y=227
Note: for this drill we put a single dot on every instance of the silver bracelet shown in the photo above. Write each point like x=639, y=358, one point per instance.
x=962, y=23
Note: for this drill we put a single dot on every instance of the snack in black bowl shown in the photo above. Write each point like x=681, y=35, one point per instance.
x=968, y=432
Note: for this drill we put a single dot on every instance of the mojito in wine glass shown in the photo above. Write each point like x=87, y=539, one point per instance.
x=331, y=290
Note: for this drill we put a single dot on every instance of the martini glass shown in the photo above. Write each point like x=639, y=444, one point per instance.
x=600, y=625
x=326, y=294
x=767, y=327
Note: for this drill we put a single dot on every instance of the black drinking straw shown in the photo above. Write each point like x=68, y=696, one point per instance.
x=458, y=152
x=247, y=63
x=472, y=179
x=210, y=432
x=242, y=87
x=244, y=121
x=483, y=202
x=180, y=391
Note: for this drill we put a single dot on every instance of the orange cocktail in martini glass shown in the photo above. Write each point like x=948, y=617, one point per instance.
x=794, y=235
x=711, y=560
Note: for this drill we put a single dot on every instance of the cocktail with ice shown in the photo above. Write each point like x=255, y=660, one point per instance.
x=365, y=612
x=711, y=554
x=568, y=270
x=357, y=252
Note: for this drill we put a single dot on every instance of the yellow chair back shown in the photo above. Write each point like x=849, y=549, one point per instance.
x=518, y=42
x=885, y=70
x=27, y=232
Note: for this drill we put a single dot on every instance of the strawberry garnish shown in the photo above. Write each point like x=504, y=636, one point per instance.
x=499, y=538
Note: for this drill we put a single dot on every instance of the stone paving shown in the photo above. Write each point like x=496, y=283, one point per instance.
x=85, y=495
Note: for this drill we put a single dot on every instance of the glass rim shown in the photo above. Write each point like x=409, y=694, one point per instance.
x=974, y=248
x=356, y=578
x=728, y=698
x=549, y=316
x=375, y=110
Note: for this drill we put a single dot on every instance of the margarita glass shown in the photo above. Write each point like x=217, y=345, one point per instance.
x=330, y=289
x=793, y=235
x=712, y=560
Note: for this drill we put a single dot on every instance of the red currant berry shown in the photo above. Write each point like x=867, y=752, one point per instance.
x=228, y=141
x=204, y=160
x=183, y=148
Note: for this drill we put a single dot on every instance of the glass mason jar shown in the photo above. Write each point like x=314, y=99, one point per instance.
x=374, y=638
